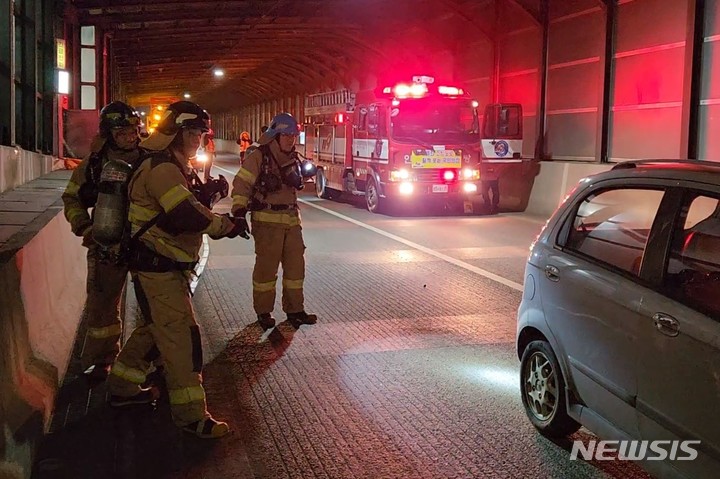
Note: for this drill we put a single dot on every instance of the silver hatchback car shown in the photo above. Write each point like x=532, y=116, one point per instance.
x=619, y=325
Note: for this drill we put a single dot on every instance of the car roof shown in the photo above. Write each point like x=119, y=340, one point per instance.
x=691, y=170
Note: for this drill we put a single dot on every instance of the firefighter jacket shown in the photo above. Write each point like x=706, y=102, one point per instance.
x=76, y=199
x=160, y=185
x=276, y=207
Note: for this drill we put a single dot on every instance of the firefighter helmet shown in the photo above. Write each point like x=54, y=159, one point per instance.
x=283, y=123
x=181, y=114
x=184, y=114
x=117, y=115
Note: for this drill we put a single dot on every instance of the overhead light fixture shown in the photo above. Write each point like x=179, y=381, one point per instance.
x=186, y=95
x=218, y=72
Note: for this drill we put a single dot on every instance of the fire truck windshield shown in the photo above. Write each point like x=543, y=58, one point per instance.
x=433, y=122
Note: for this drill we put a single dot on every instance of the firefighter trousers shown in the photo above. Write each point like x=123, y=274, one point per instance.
x=276, y=245
x=167, y=329
x=105, y=284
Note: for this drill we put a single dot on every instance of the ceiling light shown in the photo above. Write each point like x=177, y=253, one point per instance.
x=186, y=95
x=218, y=72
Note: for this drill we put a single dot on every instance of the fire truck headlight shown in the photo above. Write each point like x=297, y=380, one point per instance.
x=399, y=175
x=449, y=175
x=470, y=188
x=201, y=157
x=470, y=174
x=405, y=188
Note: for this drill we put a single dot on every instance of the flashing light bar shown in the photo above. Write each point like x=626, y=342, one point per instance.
x=416, y=90
x=450, y=90
x=419, y=88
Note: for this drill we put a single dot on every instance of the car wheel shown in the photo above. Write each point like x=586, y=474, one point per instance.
x=542, y=387
x=372, y=197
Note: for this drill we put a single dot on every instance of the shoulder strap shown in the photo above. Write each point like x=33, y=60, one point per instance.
x=94, y=167
x=147, y=155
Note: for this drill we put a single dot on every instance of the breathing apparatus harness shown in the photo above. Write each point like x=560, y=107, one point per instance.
x=270, y=180
x=139, y=256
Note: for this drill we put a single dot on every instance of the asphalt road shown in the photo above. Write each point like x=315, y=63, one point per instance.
x=410, y=372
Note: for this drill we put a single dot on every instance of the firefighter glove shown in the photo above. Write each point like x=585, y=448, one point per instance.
x=87, y=236
x=241, y=228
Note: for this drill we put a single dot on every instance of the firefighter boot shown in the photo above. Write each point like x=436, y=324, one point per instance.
x=97, y=373
x=266, y=321
x=207, y=428
x=302, y=317
x=144, y=396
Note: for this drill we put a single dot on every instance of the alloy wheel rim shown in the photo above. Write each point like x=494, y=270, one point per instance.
x=540, y=386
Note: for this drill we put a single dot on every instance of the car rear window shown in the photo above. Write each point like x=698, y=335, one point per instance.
x=693, y=271
x=612, y=226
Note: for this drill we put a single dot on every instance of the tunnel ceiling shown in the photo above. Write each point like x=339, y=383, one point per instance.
x=267, y=48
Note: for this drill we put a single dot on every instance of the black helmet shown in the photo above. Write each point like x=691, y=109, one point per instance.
x=183, y=114
x=117, y=115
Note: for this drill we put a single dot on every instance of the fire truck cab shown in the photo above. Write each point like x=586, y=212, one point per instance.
x=412, y=143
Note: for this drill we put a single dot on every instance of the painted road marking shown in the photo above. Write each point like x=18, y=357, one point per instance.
x=482, y=272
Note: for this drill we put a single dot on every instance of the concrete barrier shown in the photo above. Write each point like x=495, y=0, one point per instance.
x=42, y=295
x=18, y=166
x=227, y=146
x=555, y=180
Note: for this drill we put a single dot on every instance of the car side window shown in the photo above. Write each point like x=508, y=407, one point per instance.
x=693, y=270
x=613, y=225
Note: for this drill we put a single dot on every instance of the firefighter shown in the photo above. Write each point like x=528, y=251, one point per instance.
x=167, y=224
x=490, y=184
x=244, y=141
x=267, y=185
x=208, y=143
x=117, y=141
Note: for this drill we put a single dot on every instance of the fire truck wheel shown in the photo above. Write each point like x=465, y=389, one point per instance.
x=321, y=188
x=375, y=204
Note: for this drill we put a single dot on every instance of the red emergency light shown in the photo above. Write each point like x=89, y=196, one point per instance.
x=419, y=88
x=340, y=118
x=407, y=90
x=448, y=175
x=450, y=90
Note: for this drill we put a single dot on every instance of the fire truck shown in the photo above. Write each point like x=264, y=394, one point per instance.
x=410, y=143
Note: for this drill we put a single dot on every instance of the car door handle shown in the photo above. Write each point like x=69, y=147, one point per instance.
x=552, y=273
x=666, y=324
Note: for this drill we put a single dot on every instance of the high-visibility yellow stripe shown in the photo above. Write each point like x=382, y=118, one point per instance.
x=246, y=176
x=173, y=197
x=72, y=188
x=73, y=213
x=133, y=375
x=277, y=218
x=264, y=287
x=240, y=201
x=140, y=214
x=177, y=253
x=186, y=395
x=106, y=332
x=215, y=226
x=293, y=283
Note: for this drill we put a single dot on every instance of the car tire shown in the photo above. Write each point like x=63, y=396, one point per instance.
x=542, y=387
x=321, y=189
x=374, y=203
